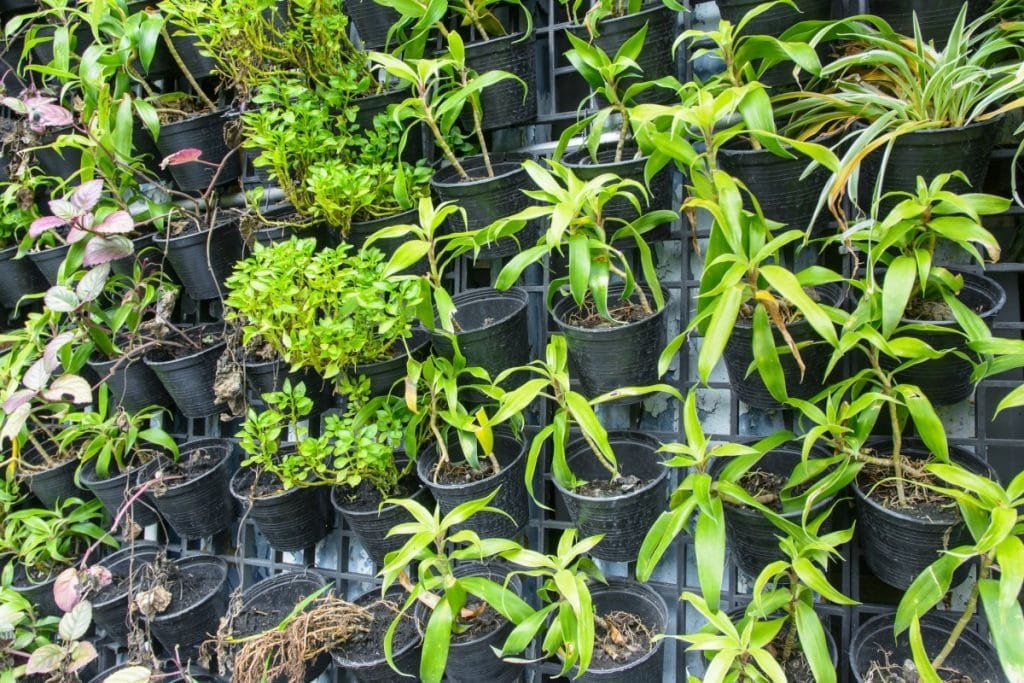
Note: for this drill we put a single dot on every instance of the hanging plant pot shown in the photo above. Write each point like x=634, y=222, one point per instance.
x=370, y=521
x=873, y=643
x=508, y=103
x=655, y=60
x=947, y=380
x=63, y=162
x=899, y=544
x=372, y=22
x=18, y=6
x=116, y=489
x=265, y=604
x=266, y=376
x=290, y=520
x=37, y=593
x=133, y=385
x=205, y=132
x=644, y=603
x=753, y=539
x=623, y=514
x=929, y=153
x=631, y=167
x=110, y=603
x=454, y=487
x=606, y=357
x=199, y=598
x=782, y=191
x=188, y=375
x=484, y=198
x=361, y=231
x=492, y=329
x=49, y=260
x=370, y=106
x=196, y=500
x=363, y=654
x=739, y=354
x=935, y=17
x=54, y=483
x=18, y=277
x=777, y=19
x=471, y=656
x=187, y=47
x=204, y=259
x=383, y=375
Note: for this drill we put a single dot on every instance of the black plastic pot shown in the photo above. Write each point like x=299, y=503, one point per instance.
x=370, y=106
x=929, y=153
x=406, y=656
x=361, y=231
x=776, y=20
x=40, y=595
x=623, y=519
x=132, y=384
x=371, y=525
x=204, y=132
x=935, y=17
x=18, y=277
x=947, y=380
x=200, y=506
x=193, y=674
x=185, y=626
x=630, y=168
x=873, y=642
x=266, y=376
x=753, y=539
x=203, y=260
x=189, y=379
x=655, y=60
x=485, y=199
x=644, y=602
x=508, y=103
x=49, y=261
x=897, y=546
x=493, y=328
x=385, y=374
x=110, y=611
x=739, y=354
x=58, y=163
x=475, y=660
x=372, y=22
x=608, y=358
x=512, y=498
x=18, y=6
x=187, y=47
x=117, y=488
x=291, y=520
x=55, y=483
x=782, y=193
x=266, y=603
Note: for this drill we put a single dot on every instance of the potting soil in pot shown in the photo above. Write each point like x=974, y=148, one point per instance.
x=368, y=645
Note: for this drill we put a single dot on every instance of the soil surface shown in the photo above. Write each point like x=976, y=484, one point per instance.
x=620, y=637
x=486, y=622
x=765, y=486
x=193, y=465
x=927, y=309
x=267, y=611
x=369, y=646
x=797, y=669
x=191, y=585
x=876, y=482
x=366, y=497
x=587, y=317
x=600, y=488
x=891, y=672
x=462, y=473
x=119, y=585
x=201, y=338
x=265, y=485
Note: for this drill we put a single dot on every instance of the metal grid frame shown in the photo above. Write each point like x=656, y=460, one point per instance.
x=676, y=573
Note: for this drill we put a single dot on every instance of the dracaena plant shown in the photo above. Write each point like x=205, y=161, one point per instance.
x=440, y=91
x=549, y=379
x=418, y=19
x=780, y=624
x=993, y=516
x=578, y=223
x=114, y=440
x=454, y=601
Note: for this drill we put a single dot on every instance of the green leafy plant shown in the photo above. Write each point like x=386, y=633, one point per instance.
x=263, y=432
x=578, y=223
x=325, y=310
x=20, y=634
x=418, y=19
x=430, y=553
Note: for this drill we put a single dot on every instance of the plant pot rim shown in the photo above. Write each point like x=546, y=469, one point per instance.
x=376, y=511
x=88, y=475
x=575, y=447
x=246, y=497
x=341, y=660
x=266, y=587
x=647, y=8
x=432, y=455
x=66, y=462
x=990, y=312
x=416, y=342
x=913, y=447
x=466, y=572
x=567, y=308
x=196, y=444
x=46, y=253
x=817, y=452
x=224, y=112
x=844, y=292
x=373, y=221
x=511, y=37
x=192, y=235
x=486, y=295
x=746, y=151
x=580, y=156
x=184, y=360
x=441, y=176
x=116, y=557
x=183, y=562
x=973, y=125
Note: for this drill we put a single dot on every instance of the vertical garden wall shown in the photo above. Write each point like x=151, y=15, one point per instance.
x=570, y=326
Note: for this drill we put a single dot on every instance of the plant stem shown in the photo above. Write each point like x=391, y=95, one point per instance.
x=790, y=643
x=972, y=605
x=442, y=143
x=894, y=419
x=184, y=70
x=623, y=132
